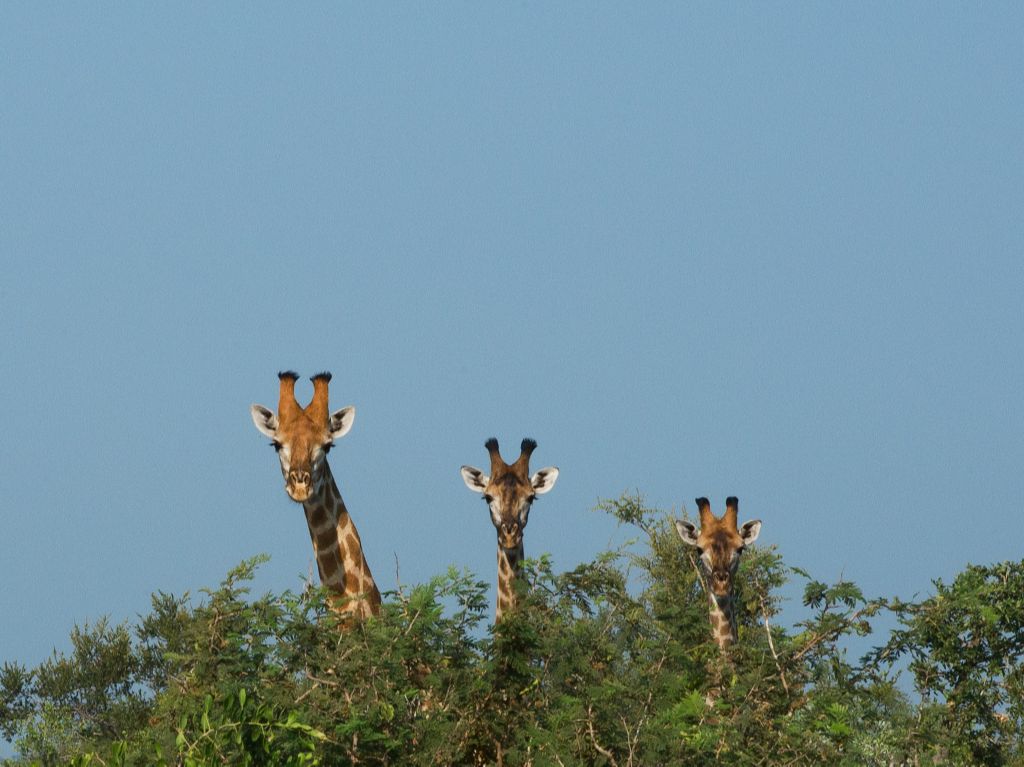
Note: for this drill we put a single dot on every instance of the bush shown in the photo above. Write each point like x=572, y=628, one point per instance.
x=608, y=664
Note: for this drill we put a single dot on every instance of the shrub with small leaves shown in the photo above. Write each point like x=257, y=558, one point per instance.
x=610, y=663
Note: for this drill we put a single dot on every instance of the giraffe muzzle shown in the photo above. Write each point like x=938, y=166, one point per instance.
x=510, y=538
x=299, y=486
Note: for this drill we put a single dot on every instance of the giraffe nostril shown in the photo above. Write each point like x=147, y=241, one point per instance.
x=299, y=477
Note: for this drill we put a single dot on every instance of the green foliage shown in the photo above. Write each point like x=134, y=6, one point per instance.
x=610, y=663
x=966, y=646
x=90, y=696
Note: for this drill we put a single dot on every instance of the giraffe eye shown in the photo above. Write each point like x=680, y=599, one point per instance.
x=327, y=447
x=488, y=499
x=276, y=445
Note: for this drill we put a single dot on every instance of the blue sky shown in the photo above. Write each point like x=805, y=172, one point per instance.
x=764, y=251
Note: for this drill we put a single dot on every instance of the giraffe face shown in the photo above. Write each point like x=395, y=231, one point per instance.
x=508, y=500
x=720, y=543
x=509, y=493
x=302, y=445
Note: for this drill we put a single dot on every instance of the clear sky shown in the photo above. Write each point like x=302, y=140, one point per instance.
x=767, y=251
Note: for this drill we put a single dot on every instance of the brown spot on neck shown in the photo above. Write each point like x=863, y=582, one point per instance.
x=353, y=582
x=316, y=517
x=328, y=566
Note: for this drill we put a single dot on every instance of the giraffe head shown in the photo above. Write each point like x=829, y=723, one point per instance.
x=509, y=490
x=720, y=543
x=303, y=436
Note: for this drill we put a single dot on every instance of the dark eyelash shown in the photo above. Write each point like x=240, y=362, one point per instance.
x=327, y=447
x=276, y=445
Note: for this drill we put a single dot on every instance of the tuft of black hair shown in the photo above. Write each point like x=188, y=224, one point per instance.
x=324, y=375
x=528, y=445
x=703, y=503
x=288, y=374
x=491, y=445
x=732, y=502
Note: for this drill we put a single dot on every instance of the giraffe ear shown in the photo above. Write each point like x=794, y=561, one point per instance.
x=687, y=531
x=475, y=479
x=341, y=421
x=750, y=530
x=544, y=480
x=265, y=420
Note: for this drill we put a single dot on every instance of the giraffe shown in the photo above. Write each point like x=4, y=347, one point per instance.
x=509, y=491
x=302, y=438
x=720, y=544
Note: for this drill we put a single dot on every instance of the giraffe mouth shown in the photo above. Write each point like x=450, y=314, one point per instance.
x=299, y=494
x=721, y=593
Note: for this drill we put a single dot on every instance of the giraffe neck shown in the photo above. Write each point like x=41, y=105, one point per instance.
x=339, y=552
x=723, y=620
x=509, y=563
